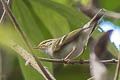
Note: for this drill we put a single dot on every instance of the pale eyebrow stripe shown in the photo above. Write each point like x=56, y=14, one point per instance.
x=46, y=41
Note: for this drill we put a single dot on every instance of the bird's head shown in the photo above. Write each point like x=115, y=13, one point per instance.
x=46, y=46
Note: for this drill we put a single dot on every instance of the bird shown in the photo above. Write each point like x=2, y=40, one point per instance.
x=72, y=44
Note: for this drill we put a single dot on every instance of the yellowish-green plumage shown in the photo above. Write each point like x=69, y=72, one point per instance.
x=61, y=47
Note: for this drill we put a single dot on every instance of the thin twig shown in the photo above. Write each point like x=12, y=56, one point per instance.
x=43, y=70
x=112, y=61
x=3, y=14
x=92, y=10
x=117, y=69
x=27, y=56
x=7, y=9
x=112, y=14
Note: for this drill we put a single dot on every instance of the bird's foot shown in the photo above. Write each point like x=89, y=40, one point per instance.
x=66, y=61
x=81, y=60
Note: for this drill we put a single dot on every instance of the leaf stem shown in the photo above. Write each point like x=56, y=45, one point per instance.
x=44, y=72
x=3, y=14
x=116, y=77
x=112, y=61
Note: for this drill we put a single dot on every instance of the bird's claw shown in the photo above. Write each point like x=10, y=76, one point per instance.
x=66, y=61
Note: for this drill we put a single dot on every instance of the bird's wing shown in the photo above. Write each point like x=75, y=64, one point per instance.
x=91, y=25
x=66, y=39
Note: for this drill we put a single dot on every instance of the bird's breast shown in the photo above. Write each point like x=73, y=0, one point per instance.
x=66, y=49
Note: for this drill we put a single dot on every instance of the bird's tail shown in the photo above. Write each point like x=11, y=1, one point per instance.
x=98, y=16
x=96, y=20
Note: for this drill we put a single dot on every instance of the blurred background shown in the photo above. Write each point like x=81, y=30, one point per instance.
x=45, y=19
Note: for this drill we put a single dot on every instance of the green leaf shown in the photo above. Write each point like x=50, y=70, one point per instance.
x=44, y=19
x=55, y=23
x=109, y=4
x=73, y=72
x=73, y=16
x=7, y=34
x=64, y=2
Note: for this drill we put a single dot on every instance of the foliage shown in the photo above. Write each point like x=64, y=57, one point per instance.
x=45, y=19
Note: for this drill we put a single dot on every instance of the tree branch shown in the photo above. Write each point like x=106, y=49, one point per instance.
x=112, y=61
x=43, y=71
x=3, y=14
x=117, y=68
x=28, y=57
x=92, y=10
